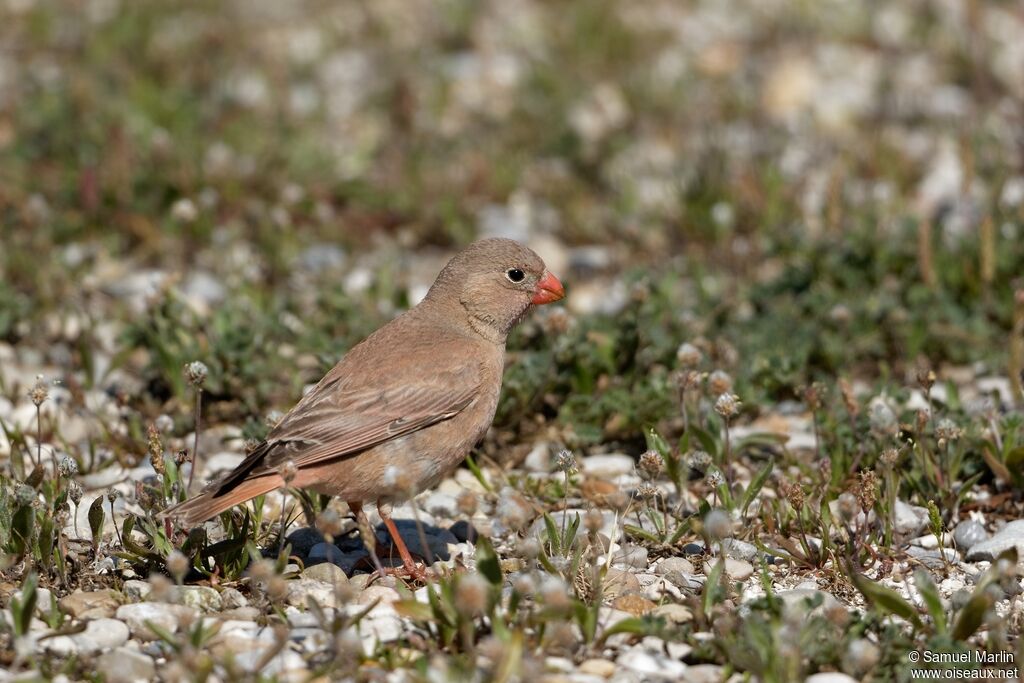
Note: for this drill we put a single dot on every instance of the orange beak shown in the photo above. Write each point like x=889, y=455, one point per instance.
x=548, y=289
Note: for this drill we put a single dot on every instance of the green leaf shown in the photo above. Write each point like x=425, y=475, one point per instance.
x=414, y=609
x=487, y=562
x=478, y=473
x=637, y=532
x=884, y=599
x=554, y=538
x=655, y=442
x=96, y=518
x=46, y=541
x=930, y=595
x=711, y=587
x=23, y=607
x=755, y=487
x=634, y=625
x=22, y=526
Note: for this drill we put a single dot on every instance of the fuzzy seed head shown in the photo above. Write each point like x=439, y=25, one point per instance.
x=717, y=524
x=513, y=510
x=814, y=396
x=75, y=492
x=524, y=584
x=647, y=491
x=261, y=570
x=528, y=548
x=554, y=593
x=728, y=406
x=467, y=503
x=196, y=372
x=288, y=471
x=155, y=447
x=699, y=460
x=861, y=656
x=889, y=457
x=39, y=392
x=184, y=210
x=795, y=496
x=651, y=465
x=113, y=495
x=328, y=522
x=565, y=461
x=177, y=564
x=689, y=380
x=948, y=431
x=67, y=467
x=867, y=489
x=277, y=588
x=881, y=416
x=471, y=595
x=593, y=521
x=688, y=356
x=714, y=478
x=398, y=479
x=719, y=382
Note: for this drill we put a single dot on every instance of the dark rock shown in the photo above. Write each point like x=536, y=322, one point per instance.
x=464, y=531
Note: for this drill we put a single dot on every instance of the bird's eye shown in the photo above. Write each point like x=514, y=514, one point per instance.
x=515, y=275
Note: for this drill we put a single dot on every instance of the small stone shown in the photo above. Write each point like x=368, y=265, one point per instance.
x=90, y=604
x=304, y=540
x=303, y=590
x=703, y=673
x=673, y=613
x=651, y=666
x=933, y=559
x=232, y=598
x=634, y=604
x=632, y=556
x=125, y=665
x=538, y=459
x=327, y=573
x=608, y=465
x=325, y=552
x=136, y=590
x=43, y=600
x=598, y=667
x=1011, y=535
x=969, y=533
x=674, y=564
x=168, y=617
x=376, y=592
x=909, y=520
x=441, y=505
x=735, y=569
x=202, y=598
x=830, y=677
x=740, y=550
x=618, y=582
x=101, y=634
x=797, y=600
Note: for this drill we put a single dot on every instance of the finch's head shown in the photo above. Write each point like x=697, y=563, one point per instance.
x=497, y=281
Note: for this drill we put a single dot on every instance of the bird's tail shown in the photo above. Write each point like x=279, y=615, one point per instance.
x=207, y=503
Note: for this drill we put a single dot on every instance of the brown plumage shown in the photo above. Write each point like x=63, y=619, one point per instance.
x=402, y=409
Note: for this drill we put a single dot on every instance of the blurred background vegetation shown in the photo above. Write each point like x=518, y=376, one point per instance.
x=803, y=190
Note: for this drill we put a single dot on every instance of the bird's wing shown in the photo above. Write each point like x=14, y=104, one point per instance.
x=341, y=416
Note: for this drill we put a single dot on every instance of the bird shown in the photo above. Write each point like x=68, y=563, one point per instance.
x=402, y=408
